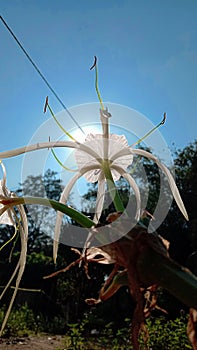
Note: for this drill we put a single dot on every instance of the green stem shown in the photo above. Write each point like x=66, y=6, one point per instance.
x=112, y=189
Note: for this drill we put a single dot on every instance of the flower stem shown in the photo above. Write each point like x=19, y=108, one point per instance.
x=112, y=189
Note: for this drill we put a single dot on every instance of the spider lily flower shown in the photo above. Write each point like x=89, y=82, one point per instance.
x=114, y=157
x=9, y=216
x=102, y=168
x=106, y=145
x=102, y=158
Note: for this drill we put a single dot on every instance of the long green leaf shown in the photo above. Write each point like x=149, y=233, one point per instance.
x=72, y=213
x=155, y=268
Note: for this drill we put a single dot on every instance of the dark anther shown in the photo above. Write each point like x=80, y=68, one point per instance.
x=46, y=104
x=94, y=64
x=164, y=118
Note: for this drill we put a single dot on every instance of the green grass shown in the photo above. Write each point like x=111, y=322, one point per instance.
x=163, y=334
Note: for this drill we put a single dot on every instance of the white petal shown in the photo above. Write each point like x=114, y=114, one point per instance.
x=170, y=178
x=100, y=198
x=36, y=147
x=6, y=217
x=120, y=140
x=119, y=143
x=174, y=189
x=63, y=199
x=98, y=209
x=93, y=175
x=123, y=157
x=93, y=142
x=134, y=186
x=97, y=143
x=59, y=217
x=22, y=261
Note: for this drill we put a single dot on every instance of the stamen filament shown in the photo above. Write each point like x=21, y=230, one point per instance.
x=151, y=131
x=96, y=82
x=60, y=163
x=58, y=123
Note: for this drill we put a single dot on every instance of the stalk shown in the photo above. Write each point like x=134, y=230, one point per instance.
x=113, y=190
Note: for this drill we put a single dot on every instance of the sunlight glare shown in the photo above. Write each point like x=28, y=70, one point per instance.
x=91, y=129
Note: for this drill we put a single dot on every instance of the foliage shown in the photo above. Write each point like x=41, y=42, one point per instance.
x=186, y=170
x=39, y=258
x=163, y=334
x=170, y=335
x=76, y=336
x=22, y=322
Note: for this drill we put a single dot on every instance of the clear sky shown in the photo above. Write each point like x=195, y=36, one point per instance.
x=147, y=53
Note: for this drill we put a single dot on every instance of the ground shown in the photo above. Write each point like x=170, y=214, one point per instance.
x=33, y=343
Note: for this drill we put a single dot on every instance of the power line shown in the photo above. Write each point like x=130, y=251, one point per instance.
x=40, y=73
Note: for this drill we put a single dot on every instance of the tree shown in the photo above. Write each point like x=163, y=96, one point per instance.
x=186, y=165
x=41, y=219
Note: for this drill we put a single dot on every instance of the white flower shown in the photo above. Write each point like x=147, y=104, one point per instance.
x=95, y=141
x=114, y=153
x=102, y=158
x=8, y=216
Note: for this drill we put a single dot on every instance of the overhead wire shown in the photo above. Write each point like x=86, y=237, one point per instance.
x=40, y=73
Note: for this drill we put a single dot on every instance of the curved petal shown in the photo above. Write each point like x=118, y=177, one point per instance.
x=106, y=147
x=170, y=178
x=121, y=153
x=43, y=145
x=23, y=226
x=63, y=199
x=98, y=208
x=100, y=198
x=94, y=142
x=35, y=147
x=6, y=217
x=123, y=157
x=134, y=186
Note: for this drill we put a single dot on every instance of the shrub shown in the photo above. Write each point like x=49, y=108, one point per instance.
x=21, y=322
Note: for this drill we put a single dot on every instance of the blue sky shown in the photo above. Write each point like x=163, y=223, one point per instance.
x=147, y=53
